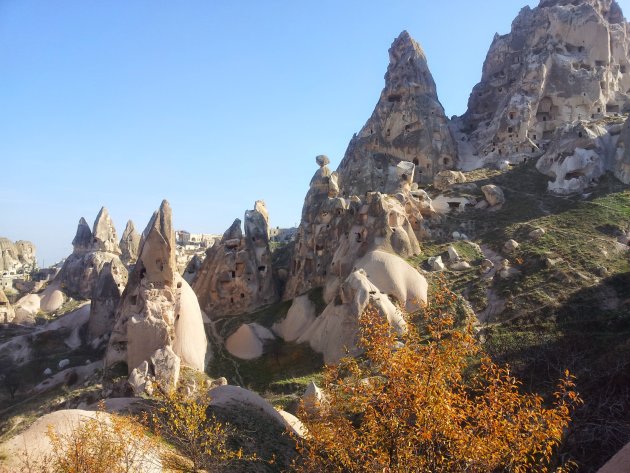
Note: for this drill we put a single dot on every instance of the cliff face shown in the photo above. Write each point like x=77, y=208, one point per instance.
x=408, y=124
x=236, y=275
x=562, y=62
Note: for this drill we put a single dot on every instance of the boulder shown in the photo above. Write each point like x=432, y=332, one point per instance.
x=300, y=316
x=459, y=266
x=494, y=194
x=453, y=255
x=436, y=263
x=313, y=398
x=536, y=234
x=510, y=246
x=447, y=178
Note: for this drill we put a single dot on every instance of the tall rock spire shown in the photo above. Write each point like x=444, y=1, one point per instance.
x=408, y=124
x=104, y=233
x=129, y=244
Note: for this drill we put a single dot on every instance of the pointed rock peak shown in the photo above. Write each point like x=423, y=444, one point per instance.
x=129, y=228
x=83, y=238
x=129, y=244
x=157, y=252
x=408, y=68
x=257, y=224
x=233, y=232
x=3, y=298
x=104, y=233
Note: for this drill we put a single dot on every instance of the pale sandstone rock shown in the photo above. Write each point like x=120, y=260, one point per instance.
x=166, y=365
x=493, y=194
x=7, y=313
x=313, y=398
x=236, y=277
x=300, y=316
x=408, y=124
x=453, y=255
x=562, y=61
x=239, y=398
x=510, y=246
x=157, y=310
x=103, y=305
x=129, y=244
x=16, y=256
x=392, y=275
x=91, y=251
x=52, y=298
x=334, y=333
x=334, y=232
x=248, y=341
x=38, y=444
x=536, y=234
x=436, y=263
x=446, y=178
x=460, y=266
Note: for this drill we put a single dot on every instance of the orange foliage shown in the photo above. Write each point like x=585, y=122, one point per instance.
x=430, y=402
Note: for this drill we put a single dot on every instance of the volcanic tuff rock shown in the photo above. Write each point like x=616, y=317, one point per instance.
x=92, y=250
x=105, y=299
x=408, y=124
x=335, y=332
x=6, y=310
x=15, y=256
x=129, y=244
x=562, y=61
x=236, y=276
x=621, y=166
x=579, y=154
x=335, y=232
x=158, y=308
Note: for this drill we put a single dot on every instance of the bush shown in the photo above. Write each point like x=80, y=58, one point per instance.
x=430, y=402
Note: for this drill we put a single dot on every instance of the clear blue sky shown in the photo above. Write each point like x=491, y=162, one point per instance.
x=210, y=104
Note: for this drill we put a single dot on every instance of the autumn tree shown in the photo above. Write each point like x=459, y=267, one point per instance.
x=201, y=440
x=430, y=401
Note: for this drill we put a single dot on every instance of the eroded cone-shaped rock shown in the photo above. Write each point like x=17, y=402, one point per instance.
x=104, y=302
x=236, y=277
x=7, y=313
x=129, y=244
x=83, y=239
x=335, y=332
x=91, y=251
x=104, y=233
x=158, y=308
x=408, y=124
x=562, y=61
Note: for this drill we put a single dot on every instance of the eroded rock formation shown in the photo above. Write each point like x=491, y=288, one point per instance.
x=580, y=153
x=158, y=309
x=92, y=249
x=335, y=232
x=16, y=256
x=563, y=61
x=236, y=275
x=129, y=244
x=408, y=124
